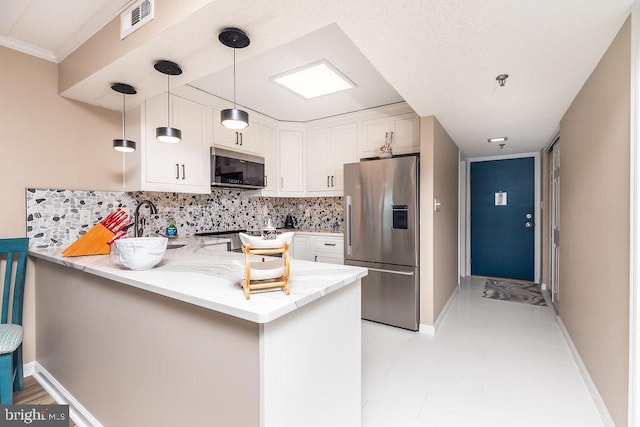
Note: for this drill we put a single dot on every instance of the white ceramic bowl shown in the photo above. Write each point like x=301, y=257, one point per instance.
x=139, y=253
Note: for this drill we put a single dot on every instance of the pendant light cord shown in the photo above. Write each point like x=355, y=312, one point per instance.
x=168, y=100
x=124, y=97
x=234, y=78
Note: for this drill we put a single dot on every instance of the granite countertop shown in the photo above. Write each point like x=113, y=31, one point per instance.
x=204, y=274
x=316, y=230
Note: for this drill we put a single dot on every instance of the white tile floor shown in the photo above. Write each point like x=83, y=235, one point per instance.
x=492, y=363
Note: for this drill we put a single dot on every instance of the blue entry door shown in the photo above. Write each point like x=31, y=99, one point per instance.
x=502, y=222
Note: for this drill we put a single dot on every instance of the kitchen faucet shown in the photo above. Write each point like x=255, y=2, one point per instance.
x=138, y=226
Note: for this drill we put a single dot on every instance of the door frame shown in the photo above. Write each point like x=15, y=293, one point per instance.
x=536, y=208
x=634, y=220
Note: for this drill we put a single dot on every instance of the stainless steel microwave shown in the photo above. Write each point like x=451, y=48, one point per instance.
x=236, y=170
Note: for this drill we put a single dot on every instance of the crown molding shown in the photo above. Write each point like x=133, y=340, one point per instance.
x=27, y=48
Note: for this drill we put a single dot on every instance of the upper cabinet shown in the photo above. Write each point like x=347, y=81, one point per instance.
x=243, y=140
x=402, y=131
x=180, y=167
x=267, y=138
x=300, y=159
x=326, y=152
x=291, y=163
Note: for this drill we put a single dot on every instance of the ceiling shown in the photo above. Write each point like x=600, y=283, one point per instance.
x=256, y=90
x=440, y=56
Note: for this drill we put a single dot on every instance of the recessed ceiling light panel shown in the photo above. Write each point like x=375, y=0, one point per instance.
x=500, y=139
x=314, y=80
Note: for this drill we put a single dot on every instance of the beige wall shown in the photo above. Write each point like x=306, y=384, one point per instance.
x=594, y=223
x=439, y=157
x=168, y=352
x=49, y=142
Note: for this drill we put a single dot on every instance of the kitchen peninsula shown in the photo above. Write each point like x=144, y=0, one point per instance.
x=179, y=344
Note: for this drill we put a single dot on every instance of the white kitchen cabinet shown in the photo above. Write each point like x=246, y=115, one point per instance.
x=319, y=247
x=268, y=139
x=326, y=152
x=403, y=131
x=329, y=249
x=243, y=140
x=291, y=163
x=182, y=167
x=317, y=156
x=303, y=247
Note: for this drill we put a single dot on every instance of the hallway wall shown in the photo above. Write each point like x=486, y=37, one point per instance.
x=439, y=157
x=48, y=141
x=594, y=223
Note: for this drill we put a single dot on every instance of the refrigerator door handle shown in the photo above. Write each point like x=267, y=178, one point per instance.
x=348, y=230
x=402, y=273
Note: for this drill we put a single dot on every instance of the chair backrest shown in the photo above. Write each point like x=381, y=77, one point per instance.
x=14, y=277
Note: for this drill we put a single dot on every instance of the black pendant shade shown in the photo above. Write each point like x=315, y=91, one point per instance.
x=234, y=118
x=167, y=133
x=124, y=145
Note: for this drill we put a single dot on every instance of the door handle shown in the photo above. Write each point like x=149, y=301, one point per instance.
x=348, y=225
x=328, y=181
x=183, y=172
x=528, y=224
x=265, y=181
x=382, y=270
x=281, y=182
x=177, y=171
x=332, y=181
x=329, y=244
x=236, y=138
x=315, y=259
x=240, y=138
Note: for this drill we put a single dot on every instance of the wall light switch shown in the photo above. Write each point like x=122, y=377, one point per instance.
x=85, y=216
x=436, y=205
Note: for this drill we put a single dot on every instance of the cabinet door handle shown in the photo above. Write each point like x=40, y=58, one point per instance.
x=332, y=181
x=183, y=172
x=265, y=181
x=177, y=171
x=315, y=258
x=391, y=138
x=328, y=181
x=329, y=244
x=281, y=182
x=386, y=136
x=240, y=137
x=237, y=138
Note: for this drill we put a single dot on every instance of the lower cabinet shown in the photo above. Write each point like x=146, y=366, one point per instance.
x=319, y=247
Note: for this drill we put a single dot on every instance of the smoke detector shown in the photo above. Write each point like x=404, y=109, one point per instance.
x=135, y=17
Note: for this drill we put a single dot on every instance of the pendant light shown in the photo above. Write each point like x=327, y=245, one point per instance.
x=124, y=145
x=234, y=118
x=167, y=133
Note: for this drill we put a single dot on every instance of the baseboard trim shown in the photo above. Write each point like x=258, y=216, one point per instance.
x=27, y=369
x=433, y=329
x=588, y=381
x=78, y=413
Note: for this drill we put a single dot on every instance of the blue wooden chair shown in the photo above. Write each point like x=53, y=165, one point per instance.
x=14, y=251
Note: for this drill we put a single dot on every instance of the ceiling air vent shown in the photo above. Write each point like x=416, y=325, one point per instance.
x=135, y=17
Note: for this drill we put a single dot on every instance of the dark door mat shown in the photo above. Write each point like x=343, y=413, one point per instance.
x=529, y=293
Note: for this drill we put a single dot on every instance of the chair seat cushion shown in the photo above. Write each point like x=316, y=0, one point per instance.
x=10, y=337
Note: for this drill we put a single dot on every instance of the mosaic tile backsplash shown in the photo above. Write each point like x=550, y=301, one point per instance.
x=54, y=216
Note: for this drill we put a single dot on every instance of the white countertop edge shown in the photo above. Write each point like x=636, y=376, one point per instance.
x=252, y=316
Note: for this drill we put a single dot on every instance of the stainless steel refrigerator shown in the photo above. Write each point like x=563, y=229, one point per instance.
x=382, y=234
